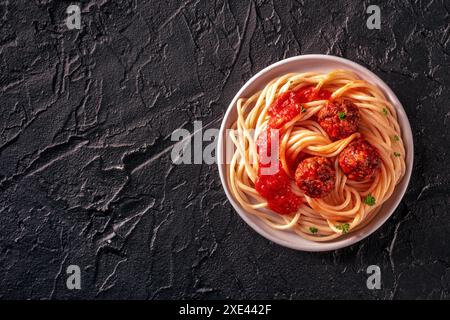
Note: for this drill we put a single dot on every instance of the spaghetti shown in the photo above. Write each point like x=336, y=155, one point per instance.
x=339, y=154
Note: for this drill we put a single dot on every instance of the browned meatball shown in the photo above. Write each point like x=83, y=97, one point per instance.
x=359, y=160
x=315, y=176
x=339, y=118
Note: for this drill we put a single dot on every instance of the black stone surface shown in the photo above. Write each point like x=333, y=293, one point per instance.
x=86, y=176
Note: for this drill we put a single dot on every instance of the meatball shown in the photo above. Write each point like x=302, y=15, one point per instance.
x=315, y=176
x=339, y=118
x=359, y=160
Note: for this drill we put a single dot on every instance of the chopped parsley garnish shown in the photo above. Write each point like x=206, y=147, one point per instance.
x=396, y=138
x=342, y=115
x=303, y=110
x=385, y=111
x=313, y=229
x=369, y=200
x=343, y=227
x=396, y=154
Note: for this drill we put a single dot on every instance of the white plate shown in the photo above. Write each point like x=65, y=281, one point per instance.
x=319, y=63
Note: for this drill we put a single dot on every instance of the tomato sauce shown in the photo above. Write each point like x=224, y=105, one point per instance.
x=276, y=187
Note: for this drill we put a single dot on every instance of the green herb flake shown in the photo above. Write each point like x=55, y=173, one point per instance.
x=385, y=111
x=313, y=230
x=369, y=200
x=342, y=115
x=343, y=227
x=396, y=154
x=396, y=138
x=303, y=110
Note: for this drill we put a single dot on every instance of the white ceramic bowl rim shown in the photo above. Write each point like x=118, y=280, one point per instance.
x=288, y=239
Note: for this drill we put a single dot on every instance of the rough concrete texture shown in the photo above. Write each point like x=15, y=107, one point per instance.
x=85, y=171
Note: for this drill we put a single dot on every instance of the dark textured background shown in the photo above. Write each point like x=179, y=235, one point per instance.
x=85, y=170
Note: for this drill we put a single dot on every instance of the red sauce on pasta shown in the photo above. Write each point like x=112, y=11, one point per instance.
x=276, y=187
